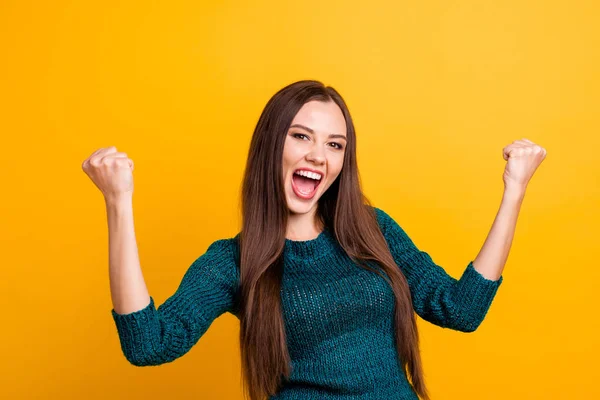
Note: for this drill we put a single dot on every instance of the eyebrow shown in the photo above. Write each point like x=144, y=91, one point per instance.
x=333, y=135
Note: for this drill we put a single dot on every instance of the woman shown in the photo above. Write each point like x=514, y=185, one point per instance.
x=325, y=285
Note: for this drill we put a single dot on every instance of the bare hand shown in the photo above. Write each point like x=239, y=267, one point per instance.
x=523, y=158
x=111, y=171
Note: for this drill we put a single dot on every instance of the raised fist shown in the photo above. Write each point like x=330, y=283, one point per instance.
x=111, y=171
x=523, y=158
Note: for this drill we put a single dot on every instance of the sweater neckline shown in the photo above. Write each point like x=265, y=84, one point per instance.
x=320, y=245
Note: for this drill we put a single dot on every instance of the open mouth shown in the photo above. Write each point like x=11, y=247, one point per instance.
x=305, y=183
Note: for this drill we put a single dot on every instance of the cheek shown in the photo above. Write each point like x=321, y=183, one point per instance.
x=291, y=151
x=334, y=173
x=335, y=165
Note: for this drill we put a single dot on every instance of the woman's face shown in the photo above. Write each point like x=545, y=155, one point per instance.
x=314, y=147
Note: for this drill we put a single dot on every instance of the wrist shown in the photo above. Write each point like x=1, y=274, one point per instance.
x=514, y=192
x=119, y=200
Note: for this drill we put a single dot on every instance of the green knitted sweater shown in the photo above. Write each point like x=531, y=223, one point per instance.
x=338, y=316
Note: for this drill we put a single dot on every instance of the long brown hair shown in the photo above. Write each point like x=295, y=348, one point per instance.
x=343, y=209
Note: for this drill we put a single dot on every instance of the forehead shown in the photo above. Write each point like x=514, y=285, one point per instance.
x=322, y=117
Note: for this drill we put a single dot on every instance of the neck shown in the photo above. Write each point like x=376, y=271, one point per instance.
x=303, y=226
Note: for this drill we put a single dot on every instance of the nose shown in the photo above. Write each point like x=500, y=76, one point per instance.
x=316, y=156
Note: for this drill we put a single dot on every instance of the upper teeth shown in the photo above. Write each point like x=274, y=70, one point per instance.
x=312, y=175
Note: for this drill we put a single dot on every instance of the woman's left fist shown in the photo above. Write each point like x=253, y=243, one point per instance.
x=523, y=158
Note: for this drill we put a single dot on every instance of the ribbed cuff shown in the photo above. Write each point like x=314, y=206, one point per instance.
x=133, y=327
x=475, y=294
x=473, y=285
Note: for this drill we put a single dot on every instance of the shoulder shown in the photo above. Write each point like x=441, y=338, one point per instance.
x=384, y=220
x=223, y=248
x=222, y=257
x=391, y=229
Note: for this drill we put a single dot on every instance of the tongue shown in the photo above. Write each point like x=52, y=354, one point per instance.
x=305, y=185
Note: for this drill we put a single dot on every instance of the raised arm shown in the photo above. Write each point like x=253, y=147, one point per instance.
x=459, y=304
x=152, y=336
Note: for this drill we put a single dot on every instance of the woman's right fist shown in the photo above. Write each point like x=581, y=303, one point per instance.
x=111, y=171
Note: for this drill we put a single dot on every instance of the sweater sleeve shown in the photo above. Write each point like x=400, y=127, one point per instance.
x=438, y=297
x=152, y=336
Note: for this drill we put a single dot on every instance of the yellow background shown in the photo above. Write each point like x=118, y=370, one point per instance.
x=436, y=89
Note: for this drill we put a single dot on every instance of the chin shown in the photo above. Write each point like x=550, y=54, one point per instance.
x=300, y=207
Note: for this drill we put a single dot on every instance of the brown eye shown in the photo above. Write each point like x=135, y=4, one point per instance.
x=299, y=134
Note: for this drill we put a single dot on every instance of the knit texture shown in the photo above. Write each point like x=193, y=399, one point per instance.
x=338, y=316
